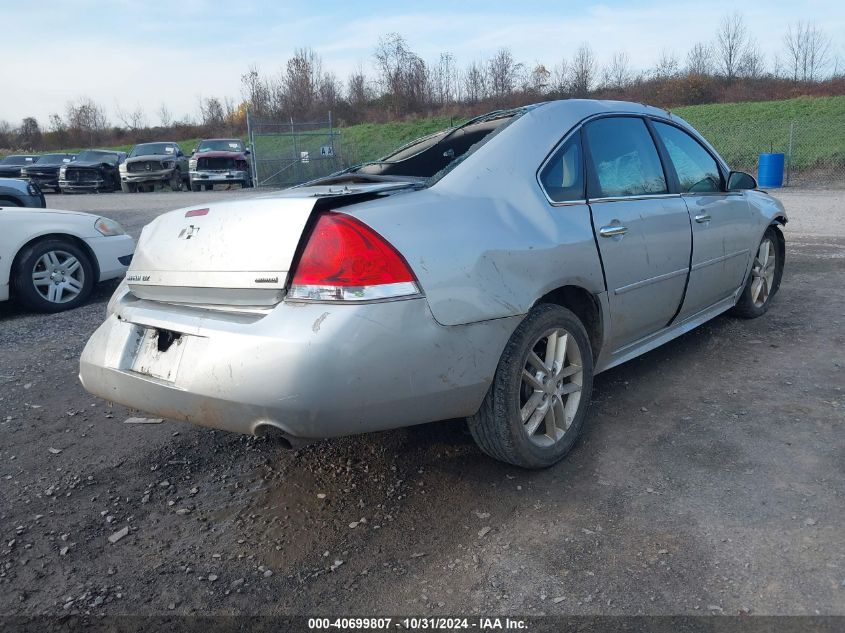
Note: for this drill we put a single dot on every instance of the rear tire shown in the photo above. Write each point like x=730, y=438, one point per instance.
x=535, y=409
x=765, y=277
x=52, y=275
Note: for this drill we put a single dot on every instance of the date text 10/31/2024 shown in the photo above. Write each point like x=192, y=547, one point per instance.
x=417, y=623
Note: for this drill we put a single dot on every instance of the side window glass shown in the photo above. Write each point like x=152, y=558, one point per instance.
x=563, y=175
x=697, y=170
x=624, y=159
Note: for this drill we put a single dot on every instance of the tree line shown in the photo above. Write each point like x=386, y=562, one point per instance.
x=400, y=83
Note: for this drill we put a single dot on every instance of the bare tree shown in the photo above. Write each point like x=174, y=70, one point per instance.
x=731, y=41
x=403, y=75
x=537, y=81
x=6, y=134
x=667, y=65
x=583, y=74
x=302, y=82
x=752, y=62
x=86, y=120
x=446, y=79
x=475, y=82
x=329, y=91
x=357, y=90
x=164, y=116
x=700, y=60
x=808, y=51
x=212, y=113
x=617, y=74
x=503, y=73
x=132, y=120
x=29, y=134
x=560, y=80
x=255, y=92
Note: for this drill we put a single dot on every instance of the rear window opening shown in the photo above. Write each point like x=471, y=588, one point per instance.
x=430, y=155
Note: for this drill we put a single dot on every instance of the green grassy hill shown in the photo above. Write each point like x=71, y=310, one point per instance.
x=741, y=131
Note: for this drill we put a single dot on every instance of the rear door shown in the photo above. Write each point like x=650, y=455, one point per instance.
x=643, y=231
x=721, y=220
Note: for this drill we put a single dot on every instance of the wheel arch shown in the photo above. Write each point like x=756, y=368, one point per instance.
x=76, y=241
x=586, y=306
x=8, y=198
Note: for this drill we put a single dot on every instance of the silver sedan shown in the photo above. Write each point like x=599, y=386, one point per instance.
x=488, y=271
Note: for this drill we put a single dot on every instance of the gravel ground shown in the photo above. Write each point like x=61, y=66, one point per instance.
x=710, y=479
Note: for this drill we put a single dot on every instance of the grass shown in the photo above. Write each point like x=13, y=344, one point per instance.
x=741, y=131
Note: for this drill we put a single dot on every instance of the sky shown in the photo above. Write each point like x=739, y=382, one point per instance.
x=127, y=54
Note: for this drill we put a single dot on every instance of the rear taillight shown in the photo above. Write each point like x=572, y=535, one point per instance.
x=346, y=260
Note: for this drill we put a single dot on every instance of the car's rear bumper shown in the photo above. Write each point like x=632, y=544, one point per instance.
x=309, y=370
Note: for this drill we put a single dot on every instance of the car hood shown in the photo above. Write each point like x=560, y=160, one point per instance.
x=147, y=157
x=45, y=213
x=86, y=163
x=42, y=168
x=219, y=154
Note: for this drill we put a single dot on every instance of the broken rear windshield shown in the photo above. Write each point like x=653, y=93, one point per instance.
x=440, y=152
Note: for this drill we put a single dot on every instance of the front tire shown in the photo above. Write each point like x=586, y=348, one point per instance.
x=764, y=280
x=53, y=275
x=127, y=187
x=176, y=181
x=535, y=409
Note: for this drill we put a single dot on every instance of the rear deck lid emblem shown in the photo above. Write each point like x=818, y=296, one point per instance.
x=188, y=232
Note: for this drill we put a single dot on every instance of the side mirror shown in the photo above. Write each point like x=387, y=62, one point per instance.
x=739, y=180
x=246, y=152
x=194, y=151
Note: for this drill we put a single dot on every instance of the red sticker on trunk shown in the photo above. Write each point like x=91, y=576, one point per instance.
x=195, y=212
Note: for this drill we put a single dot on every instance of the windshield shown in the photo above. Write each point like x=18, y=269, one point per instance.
x=54, y=159
x=221, y=145
x=18, y=160
x=97, y=156
x=155, y=149
x=432, y=154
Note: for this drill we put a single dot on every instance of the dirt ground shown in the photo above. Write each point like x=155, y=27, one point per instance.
x=710, y=479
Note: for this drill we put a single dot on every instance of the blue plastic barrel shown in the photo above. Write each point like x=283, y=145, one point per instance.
x=770, y=170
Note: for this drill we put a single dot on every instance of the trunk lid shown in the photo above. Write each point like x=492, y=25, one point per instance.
x=233, y=253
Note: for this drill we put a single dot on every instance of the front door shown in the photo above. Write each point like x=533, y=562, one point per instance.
x=720, y=221
x=643, y=232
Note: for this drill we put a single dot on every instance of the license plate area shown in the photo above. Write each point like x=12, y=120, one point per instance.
x=159, y=353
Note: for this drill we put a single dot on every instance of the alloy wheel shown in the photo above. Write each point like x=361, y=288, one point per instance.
x=58, y=276
x=551, y=387
x=763, y=272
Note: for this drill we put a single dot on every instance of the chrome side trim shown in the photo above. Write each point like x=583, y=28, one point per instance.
x=648, y=196
x=717, y=260
x=651, y=280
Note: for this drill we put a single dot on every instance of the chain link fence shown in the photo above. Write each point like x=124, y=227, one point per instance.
x=287, y=153
x=814, y=152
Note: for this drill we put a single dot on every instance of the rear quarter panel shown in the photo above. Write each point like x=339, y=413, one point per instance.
x=484, y=241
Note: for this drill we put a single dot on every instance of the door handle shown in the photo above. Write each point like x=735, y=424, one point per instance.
x=613, y=230
x=701, y=219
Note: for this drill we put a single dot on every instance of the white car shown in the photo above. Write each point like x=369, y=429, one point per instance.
x=51, y=259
